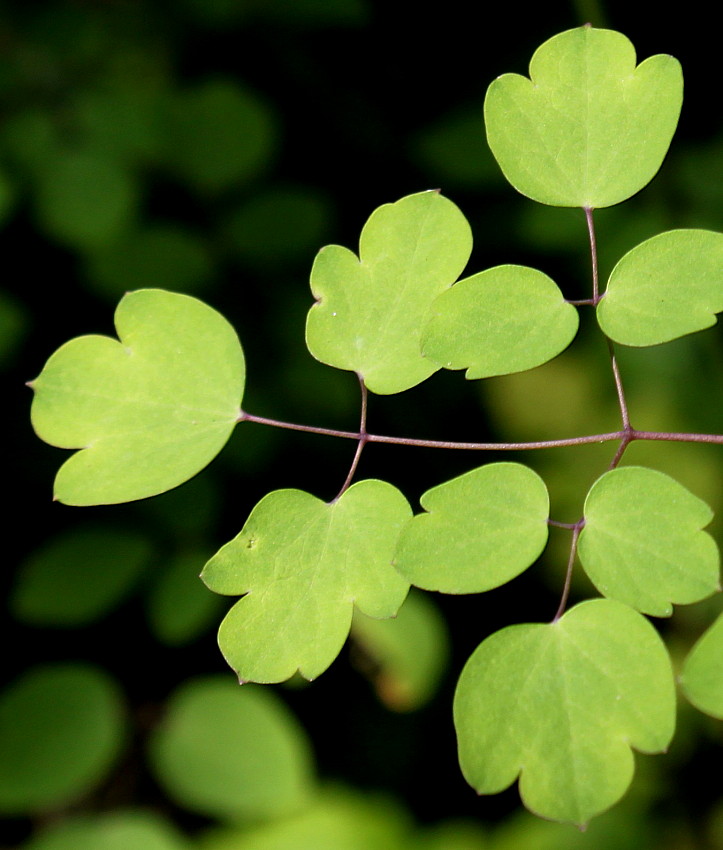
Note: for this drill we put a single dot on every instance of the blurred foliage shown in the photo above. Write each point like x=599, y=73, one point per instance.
x=212, y=146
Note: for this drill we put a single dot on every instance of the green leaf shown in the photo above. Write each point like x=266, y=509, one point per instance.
x=179, y=607
x=79, y=576
x=148, y=412
x=561, y=704
x=370, y=310
x=666, y=287
x=118, y=830
x=702, y=676
x=502, y=320
x=218, y=134
x=642, y=542
x=404, y=656
x=303, y=565
x=588, y=129
x=231, y=752
x=480, y=530
x=84, y=198
x=61, y=728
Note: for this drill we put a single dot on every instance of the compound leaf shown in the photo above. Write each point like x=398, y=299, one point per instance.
x=642, y=542
x=666, y=287
x=303, y=565
x=588, y=129
x=480, y=530
x=561, y=705
x=702, y=676
x=148, y=412
x=502, y=320
x=370, y=309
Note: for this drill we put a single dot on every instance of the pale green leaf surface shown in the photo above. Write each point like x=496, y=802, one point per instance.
x=502, y=320
x=561, y=704
x=231, y=752
x=303, y=564
x=406, y=655
x=117, y=830
x=480, y=530
x=702, y=676
x=370, y=309
x=588, y=129
x=79, y=576
x=642, y=543
x=61, y=727
x=664, y=288
x=148, y=412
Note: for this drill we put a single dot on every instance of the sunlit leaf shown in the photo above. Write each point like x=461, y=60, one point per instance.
x=666, y=287
x=560, y=705
x=79, y=576
x=61, y=727
x=480, y=530
x=642, y=542
x=148, y=412
x=231, y=752
x=702, y=676
x=370, y=309
x=404, y=656
x=588, y=129
x=303, y=564
x=502, y=320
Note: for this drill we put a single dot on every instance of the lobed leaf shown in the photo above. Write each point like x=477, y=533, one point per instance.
x=664, y=288
x=589, y=128
x=561, y=704
x=303, y=565
x=642, y=542
x=480, y=530
x=502, y=320
x=147, y=412
x=702, y=676
x=370, y=309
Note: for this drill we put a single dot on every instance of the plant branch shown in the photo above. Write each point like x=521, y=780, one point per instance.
x=363, y=438
x=593, y=255
x=576, y=529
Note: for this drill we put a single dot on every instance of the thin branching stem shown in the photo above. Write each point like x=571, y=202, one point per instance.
x=363, y=439
x=576, y=529
x=593, y=254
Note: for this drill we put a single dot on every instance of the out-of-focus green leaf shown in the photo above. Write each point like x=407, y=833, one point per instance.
x=61, y=727
x=370, y=309
x=666, y=287
x=702, y=675
x=232, y=752
x=79, y=576
x=218, y=134
x=303, y=565
x=588, y=129
x=405, y=655
x=643, y=544
x=279, y=226
x=149, y=411
x=119, y=830
x=85, y=198
x=179, y=606
x=163, y=256
x=561, y=704
x=338, y=820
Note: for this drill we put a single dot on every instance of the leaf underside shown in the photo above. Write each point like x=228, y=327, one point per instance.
x=702, y=676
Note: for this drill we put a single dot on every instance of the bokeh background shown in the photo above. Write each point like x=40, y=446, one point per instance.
x=212, y=147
